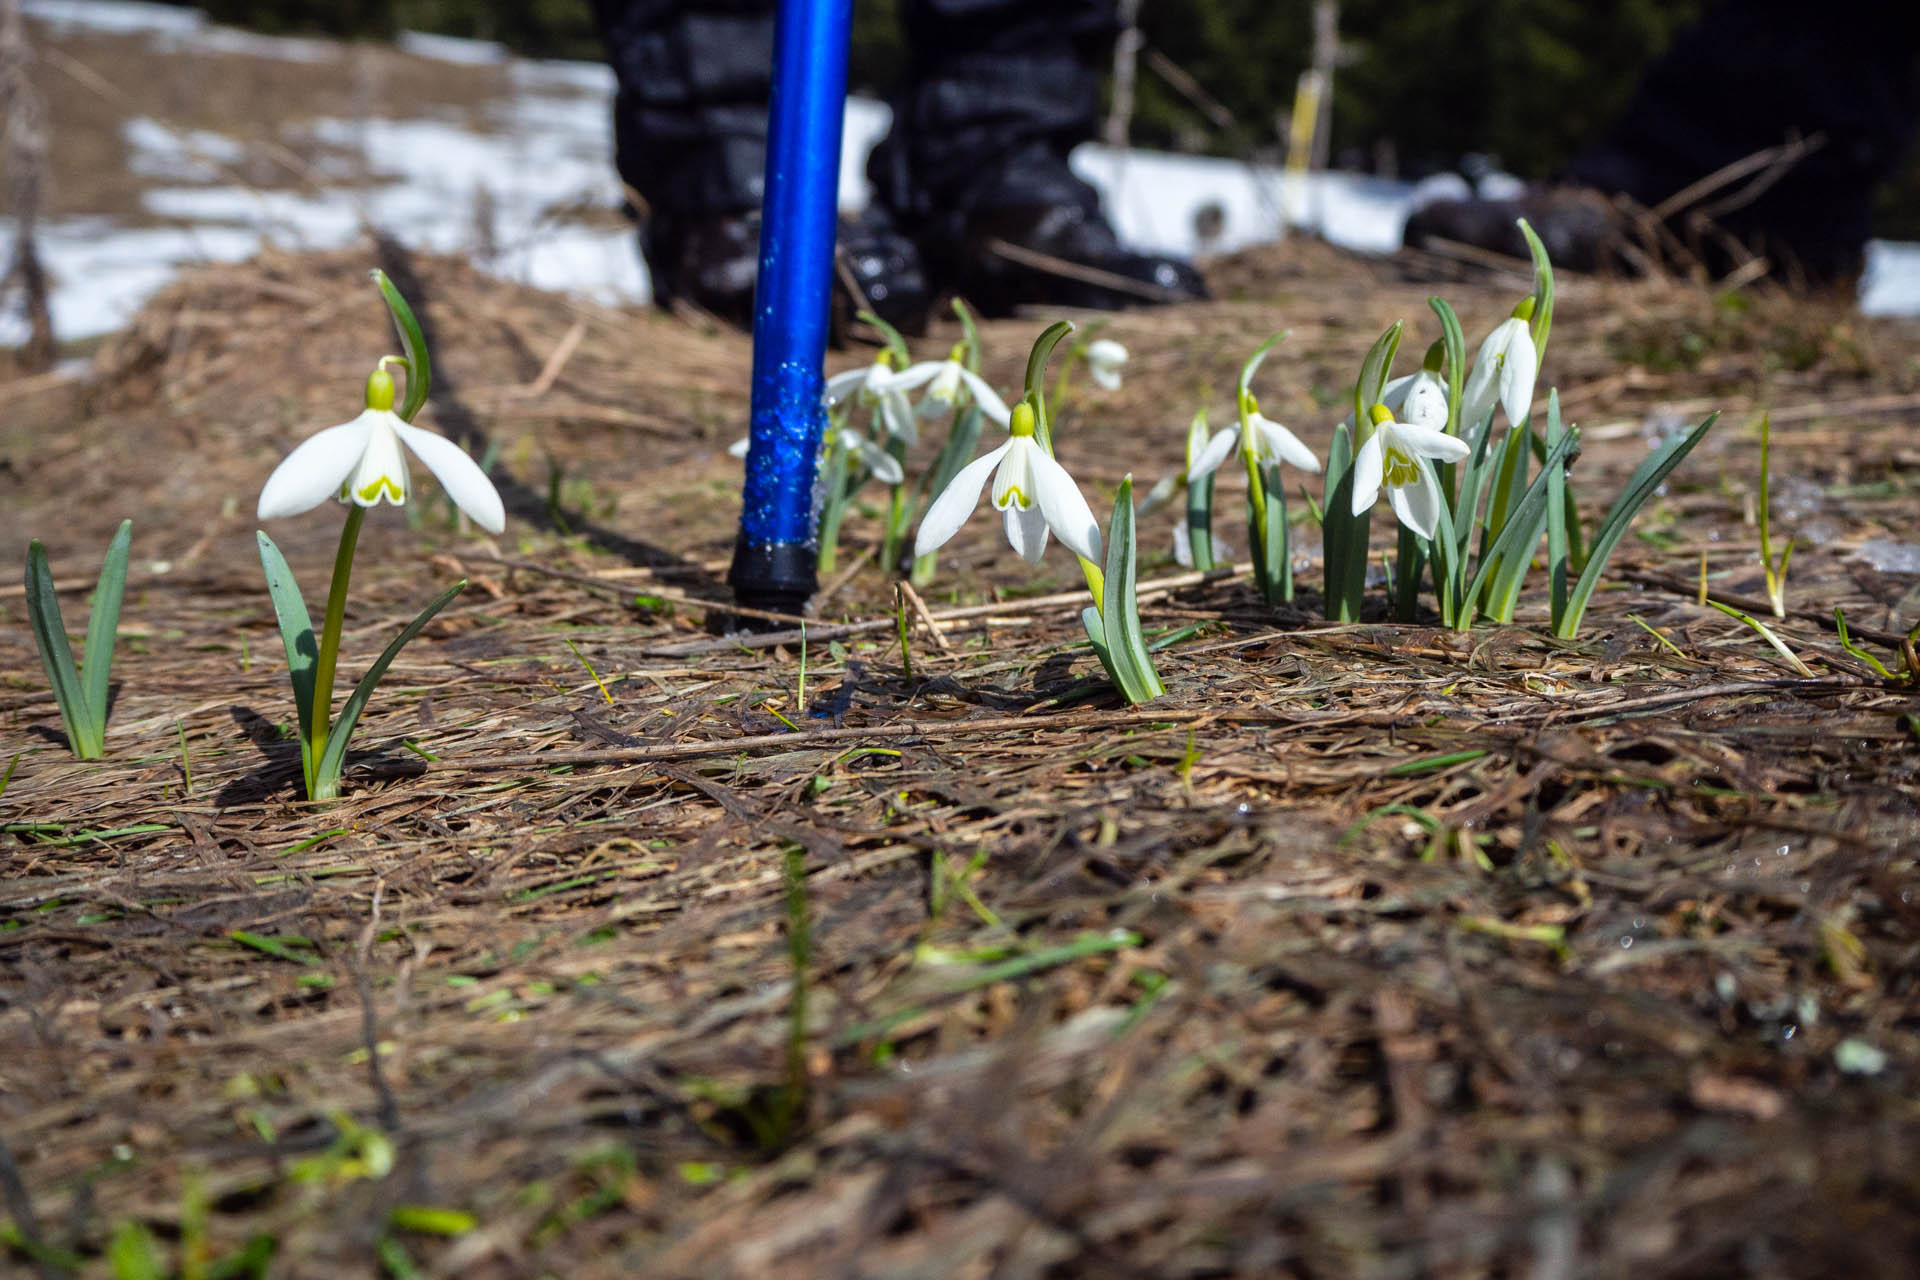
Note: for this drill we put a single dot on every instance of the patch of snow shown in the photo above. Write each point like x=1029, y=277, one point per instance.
x=470, y=53
x=102, y=275
x=1890, y=285
x=177, y=155
x=118, y=17
x=543, y=75
x=233, y=40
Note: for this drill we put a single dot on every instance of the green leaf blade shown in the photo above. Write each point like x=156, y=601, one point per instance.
x=1645, y=482
x=56, y=651
x=412, y=340
x=103, y=627
x=327, y=771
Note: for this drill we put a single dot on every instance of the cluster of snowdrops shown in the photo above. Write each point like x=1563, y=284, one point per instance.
x=1473, y=504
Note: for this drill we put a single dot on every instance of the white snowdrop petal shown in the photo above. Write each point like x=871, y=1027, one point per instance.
x=1369, y=469
x=885, y=467
x=1418, y=504
x=315, y=470
x=1027, y=531
x=897, y=415
x=458, y=474
x=986, y=397
x=1278, y=442
x=956, y=502
x=1182, y=545
x=1425, y=402
x=1430, y=443
x=842, y=385
x=382, y=473
x=1066, y=510
x=1217, y=451
x=1517, y=374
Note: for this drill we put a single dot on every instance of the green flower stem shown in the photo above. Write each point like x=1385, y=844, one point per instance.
x=329, y=653
x=1096, y=583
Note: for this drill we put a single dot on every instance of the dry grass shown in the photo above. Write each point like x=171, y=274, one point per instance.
x=1370, y=951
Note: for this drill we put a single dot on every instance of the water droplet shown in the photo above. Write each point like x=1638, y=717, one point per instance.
x=1789, y=1031
x=1243, y=807
x=1626, y=941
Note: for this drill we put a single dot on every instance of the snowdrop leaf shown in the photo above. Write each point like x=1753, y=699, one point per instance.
x=412, y=340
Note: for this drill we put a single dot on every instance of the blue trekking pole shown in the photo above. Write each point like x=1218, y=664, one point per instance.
x=775, y=558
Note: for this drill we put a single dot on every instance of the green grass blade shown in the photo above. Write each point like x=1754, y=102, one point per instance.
x=56, y=651
x=1120, y=609
x=412, y=340
x=103, y=627
x=327, y=773
x=1645, y=483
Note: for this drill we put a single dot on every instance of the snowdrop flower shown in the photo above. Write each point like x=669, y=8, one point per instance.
x=948, y=382
x=877, y=387
x=362, y=461
x=1271, y=443
x=1034, y=491
x=1397, y=457
x=884, y=466
x=1104, y=359
x=1423, y=400
x=1504, y=370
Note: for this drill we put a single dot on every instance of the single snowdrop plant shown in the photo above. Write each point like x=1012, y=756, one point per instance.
x=1038, y=499
x=1105, y=359
x=1265, y=446
x=363, y=463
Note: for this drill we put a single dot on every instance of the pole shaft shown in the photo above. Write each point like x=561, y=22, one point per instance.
x=775, y=557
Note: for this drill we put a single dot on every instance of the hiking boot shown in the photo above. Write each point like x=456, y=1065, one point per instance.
x=1580, y=227
x=712, y=261
x=1060, y=255
x=707, y=259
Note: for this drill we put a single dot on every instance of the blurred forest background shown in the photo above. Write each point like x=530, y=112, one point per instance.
x=1418, y=86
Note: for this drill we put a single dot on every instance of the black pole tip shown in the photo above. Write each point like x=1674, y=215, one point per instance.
x=780, y=577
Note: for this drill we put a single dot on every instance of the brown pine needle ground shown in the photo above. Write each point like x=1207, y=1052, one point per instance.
x=1370, y=951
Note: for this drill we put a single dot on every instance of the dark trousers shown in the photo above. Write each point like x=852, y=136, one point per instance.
x=1752, y=74
x=1000, y=91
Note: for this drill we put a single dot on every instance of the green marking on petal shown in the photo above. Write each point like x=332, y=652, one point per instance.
x=369, y=494
x=1400, y=469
